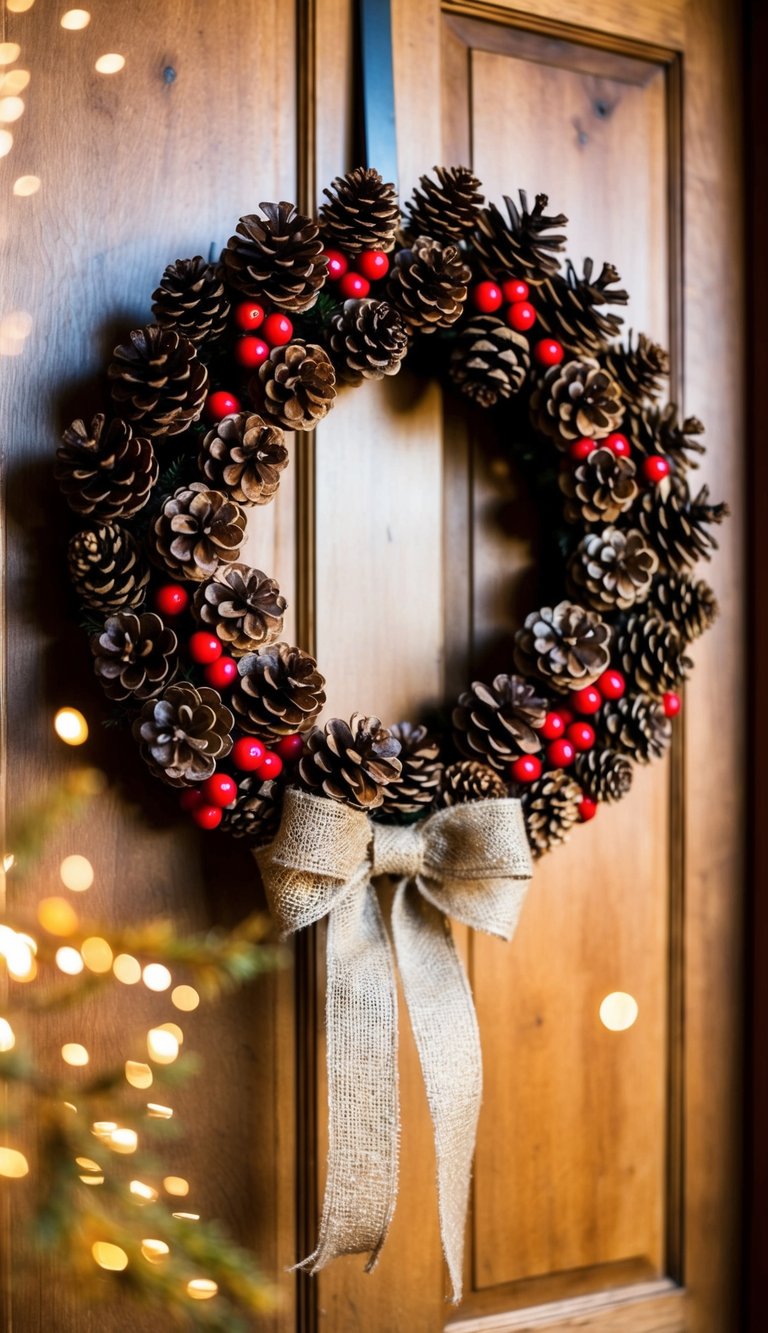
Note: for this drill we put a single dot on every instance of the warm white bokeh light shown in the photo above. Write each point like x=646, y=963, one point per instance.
x=57, y=916
x=202, y=1288
x=15, y=81
x=127, y=969
x=154, y=1250
x=76, y=873
x=176, y=1185
x=123, y=1140
x=70, y=726
x=162, y=1046
x=618, y=1011
x=75, y=19
x=97, y=954
x=7, y=1035
x=72, y=1053
x=138, y=1075
x=185, y=998
x=9, y=52
x=69, y=960
x=158, y=1112
x=156, y=977
x=109, y=1256
x=26, y=186
x=13, y=1164
x=11, y=109
x=174, y=1030
x=6, y=142
x=18, y=6
x=143, y=1193
x=111, y=63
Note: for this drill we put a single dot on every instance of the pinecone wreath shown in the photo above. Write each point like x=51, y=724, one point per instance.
x=169, y=481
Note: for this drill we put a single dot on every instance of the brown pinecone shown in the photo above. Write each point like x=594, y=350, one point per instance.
x=659, y=431
x=255, y=814
x=637, y=726
x=604, y=776
x=469, y=780
x=361, y=214
x=298, y=385
x=367, y=339
x=638, y=369
x=599, y=488
x=573, y=309
x=419, y=781
x=447, y=208
x=428, y=285
x=244, y=456
x=550, y=808
x=489, y=361
x=184, y=732
x=692, y=607
x=497, y=723
x=677, y=526
x=564, y=645
x=134, y=655
x=278, y=258
x=613, y=568
x=108, y=473
x=279, y=692
x=523, y=246
x=195, y=530
x=574, y=399
x=191, y=299
x=107, y=568
x=242, y=606
x=351, y=763
x=650, y=652
x=158, y=381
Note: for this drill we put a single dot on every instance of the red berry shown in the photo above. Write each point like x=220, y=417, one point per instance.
x=290, y=748
x=581, y=449
x=618, y=444
x=373, y=264
x=672, y=703
x=611, y=684
x=486, y=297
x=250, y=352
x=271, y=766
x=655, y=468
x=190, y=799
x=548, y=352
x=521, y=316
x=581, y=735
x=221, y=404
x=171, y=599
x=552, y=726
x=219, y=789
x=587, y=809
x=561, y=753
x=514, y=289
x=221, y=673
x=337, y=264
x=526, y=769
x=247, y=753
x=207, y=816
x=587, y=700
x=204, y=647
x=354, y=286
x=248, y=316
x=277, y=330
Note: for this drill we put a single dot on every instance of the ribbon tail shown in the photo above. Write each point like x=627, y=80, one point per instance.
x=363, y=1106
x=445, y=1029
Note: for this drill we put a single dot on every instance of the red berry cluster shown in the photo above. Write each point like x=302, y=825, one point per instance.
x=520, y=315
x=655, y=467
x=274, y=330
x=353, y=276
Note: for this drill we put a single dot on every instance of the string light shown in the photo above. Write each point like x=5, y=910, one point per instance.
x=123, y=1140
x=109, y=1256
x=6, y=144
x=15, y=81
x=9, y=52
x=185, y=998
x=162, y=1046
x=72, y=1053
x=18, y=6
x=127, y=969
x=176, y=1185
x=69, y=960
x=70, y=726
x=7, y=1036
x=75, y=19
x=138, y=1075
x=25, y=186
x=19, y=958
x=158, y=1112
x=143, y=1193
x=97, y=954
x=154, y=1250
x=111, y=63
x=92, y=1172
x=156, y=977
x=76, y=873
x=618, y=1011
x=103, y=1129
x=11, y=109
x=57, y=916
x=13, y=1164
x=202, y=1288
x=174, y=1030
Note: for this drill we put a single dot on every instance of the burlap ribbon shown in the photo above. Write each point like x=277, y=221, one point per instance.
x=470, y=862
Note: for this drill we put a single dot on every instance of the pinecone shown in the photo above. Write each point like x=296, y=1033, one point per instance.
x=108, y=473
x=639, y=370
x=637, y=726
x=280, y=259
x=574, y=399
x=677, y=526
x=571, y=308
x=614, y=568
x=242, y=606
x=367, y=339
x=469, y=780
x=564, y=645
x=158, y=381
x=195, y=530
x=351, y=763
x=107, y=568
x=279, y=692
x=419, y=782
x=191, y=299
x=692, y=607
x=650, y=652
x=489, y=361
x=604, y=776
x=298, y=385
x=183, y=733
x=524, y=246
x=428, y=285
x=598, y=489
x=550, y=809
x=244, y=456
x=361, y=213
x=659, y=431
x=134, y=655
x=256, y=812
x=497, y=723
x=447, y=208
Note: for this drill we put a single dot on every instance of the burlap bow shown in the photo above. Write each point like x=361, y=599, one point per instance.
x=470, y=862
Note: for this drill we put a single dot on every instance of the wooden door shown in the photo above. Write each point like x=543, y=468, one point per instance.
x=606, y=1185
